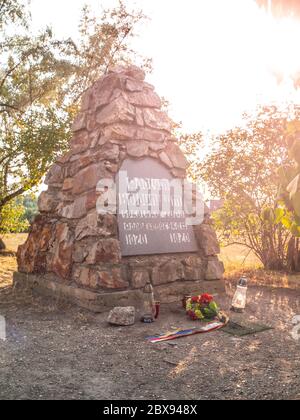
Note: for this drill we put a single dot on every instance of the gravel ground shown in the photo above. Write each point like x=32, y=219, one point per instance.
x=56, y=351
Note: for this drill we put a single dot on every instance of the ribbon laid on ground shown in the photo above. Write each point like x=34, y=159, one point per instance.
x=174, y=335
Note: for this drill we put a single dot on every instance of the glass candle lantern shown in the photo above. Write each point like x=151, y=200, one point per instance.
x=149, y=305
x=240, y=297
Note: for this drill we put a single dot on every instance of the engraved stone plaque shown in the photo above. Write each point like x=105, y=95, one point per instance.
x=151, y=216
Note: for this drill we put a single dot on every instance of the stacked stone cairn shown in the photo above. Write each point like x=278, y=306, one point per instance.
x=74, y=252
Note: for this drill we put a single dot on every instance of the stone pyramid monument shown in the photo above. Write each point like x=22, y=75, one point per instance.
x=78, y=253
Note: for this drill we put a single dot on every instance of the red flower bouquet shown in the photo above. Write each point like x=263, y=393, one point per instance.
x=202, y=307
x=206, y=299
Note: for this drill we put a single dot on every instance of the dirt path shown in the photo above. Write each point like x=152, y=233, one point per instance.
x=55, y=351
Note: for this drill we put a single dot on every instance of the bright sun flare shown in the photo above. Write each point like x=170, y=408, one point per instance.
x=213, y=59
x=284, y=46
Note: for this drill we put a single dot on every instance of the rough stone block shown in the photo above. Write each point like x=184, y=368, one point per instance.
x=76, y=210
x=146, y=98
x=122, y=316
x=157, y=120
x=80, y=122
x=47, y=203
x=156, y=147
x=166, y=160
x=109, y=152
x=86, y=100
x=176, y=156
x=63, y=251
x=80, y=253
x=139, y=278
x=54, y=176
x=150, y=135
x=68, y=184
x=139, y=117
x=120, y=132
x=137, y=148
x=117, y=111
x=133, y=85
x=31, y=256
x=207, y=239
x=215, y=270
x=102, y=91
x=105, y=251
x=80, y=142
x=169, y=272
x=112, y=279
x=89, y=177
x=131, y=71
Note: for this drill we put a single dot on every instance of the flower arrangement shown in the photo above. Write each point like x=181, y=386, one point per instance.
x=202, y=308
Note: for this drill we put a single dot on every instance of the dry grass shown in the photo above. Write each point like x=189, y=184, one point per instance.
x=261, y=277
x=237, y=258
x=239, y=261
x=7, y=267
x=12, y=241
x=8, y=263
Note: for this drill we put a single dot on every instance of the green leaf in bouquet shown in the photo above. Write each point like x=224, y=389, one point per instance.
x=209, y=313
x=214, y=307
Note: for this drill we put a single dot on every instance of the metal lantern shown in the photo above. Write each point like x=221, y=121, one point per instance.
x=240, y=297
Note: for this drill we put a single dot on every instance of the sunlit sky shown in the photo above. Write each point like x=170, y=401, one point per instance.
x=213, y=59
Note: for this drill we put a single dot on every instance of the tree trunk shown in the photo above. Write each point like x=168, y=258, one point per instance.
x=293, y=255
x=271, y=258
x=2, y=245
x=275, y=264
